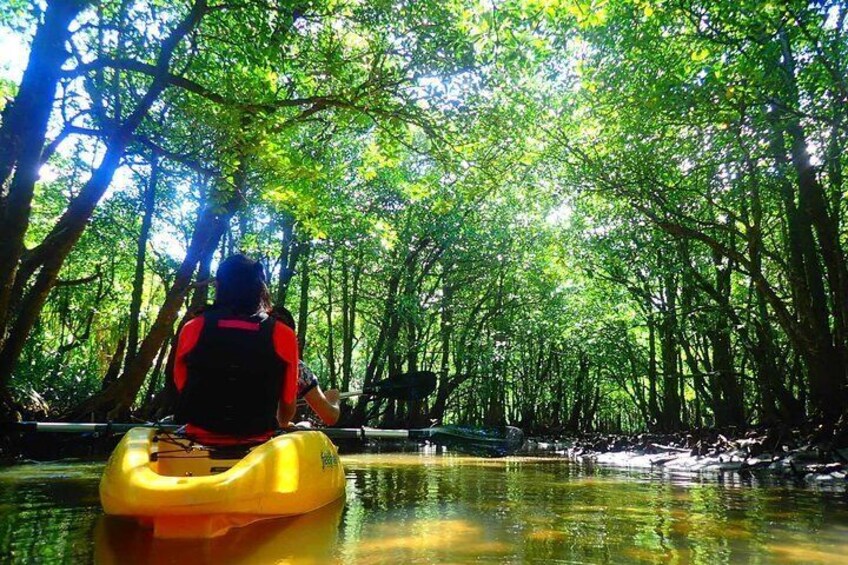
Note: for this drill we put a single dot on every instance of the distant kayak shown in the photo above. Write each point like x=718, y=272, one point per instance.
x=183, y=490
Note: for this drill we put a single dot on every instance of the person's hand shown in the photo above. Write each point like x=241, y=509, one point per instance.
x=332, y=396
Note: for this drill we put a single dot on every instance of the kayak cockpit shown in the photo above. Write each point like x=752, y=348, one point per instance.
x=176, y=456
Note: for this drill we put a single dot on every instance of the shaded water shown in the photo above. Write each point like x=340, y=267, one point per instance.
x=413, y=508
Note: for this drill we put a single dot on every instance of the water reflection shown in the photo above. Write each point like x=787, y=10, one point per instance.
x=525, y=510
x=432, y=509
x=310, y=538
x=46, y=512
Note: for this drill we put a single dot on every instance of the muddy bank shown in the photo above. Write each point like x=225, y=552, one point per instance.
x=791, y=453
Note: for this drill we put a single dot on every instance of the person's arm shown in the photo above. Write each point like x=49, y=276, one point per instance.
x=285, y=413
x=325, y=404
x=285, y=344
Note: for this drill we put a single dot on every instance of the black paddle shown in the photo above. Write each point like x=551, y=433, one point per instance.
x=486, y=442
x=416, y=385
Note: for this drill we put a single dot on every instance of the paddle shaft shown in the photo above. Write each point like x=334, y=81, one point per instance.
x=342, y=396
x=487, y=442
x=353, y=393
x=106, y=428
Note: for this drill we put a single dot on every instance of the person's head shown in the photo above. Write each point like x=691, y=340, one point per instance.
x=240, y=286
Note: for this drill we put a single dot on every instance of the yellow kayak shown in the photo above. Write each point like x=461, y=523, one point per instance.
x=183, y=490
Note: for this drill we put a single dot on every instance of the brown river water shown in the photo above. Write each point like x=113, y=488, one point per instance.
x=426, y=508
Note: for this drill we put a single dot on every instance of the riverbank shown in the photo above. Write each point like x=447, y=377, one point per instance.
x=798, y=455
x=788, y=453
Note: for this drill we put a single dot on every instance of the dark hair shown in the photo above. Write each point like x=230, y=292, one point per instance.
x=282, y=314
x=240, y=286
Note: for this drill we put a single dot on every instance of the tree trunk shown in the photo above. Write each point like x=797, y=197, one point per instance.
x=118, y=398
x=388, y=325
x=374, y=363
x=288, y=260
x=668, y=353
x=200, y=296
x=303, y=309
x=67, y=231
x=437, y=412
x=806, y=278
x=153, y=385
x=115, y=364
x=141, y=251
x=331, y=346
x=579, y=405
x=22, y=135
x=827, y=358
x=347, y=330
x=731, y=410
x=653, y=373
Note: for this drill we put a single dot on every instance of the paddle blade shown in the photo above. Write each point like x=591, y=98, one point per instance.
x=416, y=385
x=485, y=442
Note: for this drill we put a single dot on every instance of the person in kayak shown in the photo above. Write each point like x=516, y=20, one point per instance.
x=236, y=366
x=324, y=403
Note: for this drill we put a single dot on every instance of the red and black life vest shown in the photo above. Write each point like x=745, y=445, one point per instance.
x=234, y=376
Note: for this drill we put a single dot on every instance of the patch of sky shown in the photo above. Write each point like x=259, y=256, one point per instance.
x=166, y=238
x=833, y=14
x=559, y=215
x=446, y=92
x=14, y=53
x=47, y=174
x=814, y=148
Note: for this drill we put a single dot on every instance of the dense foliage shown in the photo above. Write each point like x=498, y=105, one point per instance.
x=582, y=215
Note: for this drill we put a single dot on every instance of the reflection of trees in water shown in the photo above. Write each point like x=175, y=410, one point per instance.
x=531, y=510
x=411, y=508
x=609, y=519
x=47, y=520
x=446, y=509
x=408, y=487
